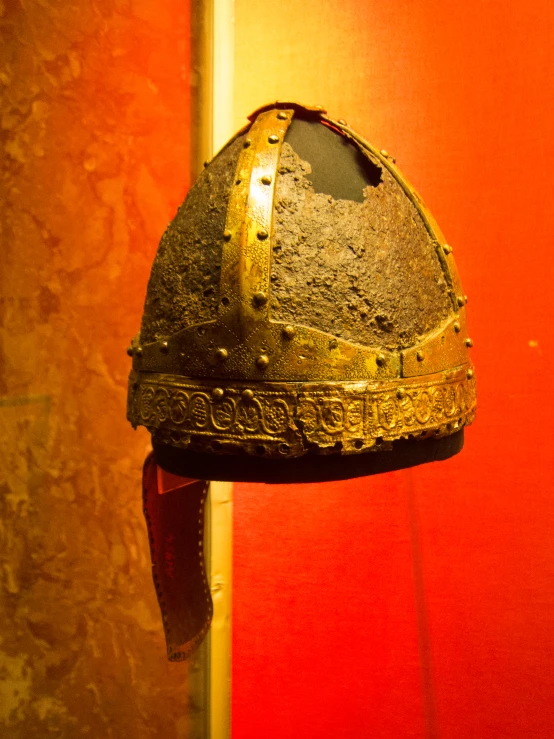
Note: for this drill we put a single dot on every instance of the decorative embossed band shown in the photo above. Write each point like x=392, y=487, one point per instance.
x=290, y=419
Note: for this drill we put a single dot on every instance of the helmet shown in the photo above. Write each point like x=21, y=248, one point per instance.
x=304, y=318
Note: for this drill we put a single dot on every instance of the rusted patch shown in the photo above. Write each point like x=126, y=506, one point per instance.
x=366, y=272
x=184, y=284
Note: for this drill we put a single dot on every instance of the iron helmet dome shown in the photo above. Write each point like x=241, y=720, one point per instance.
x=304, y=317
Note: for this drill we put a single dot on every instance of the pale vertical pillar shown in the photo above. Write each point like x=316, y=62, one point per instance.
x=220, y=543
x=212, y=116
x=223, y=72
x=221, y=506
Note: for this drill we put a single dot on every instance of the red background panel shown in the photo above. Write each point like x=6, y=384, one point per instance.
x=326, y=629
x=421, y=603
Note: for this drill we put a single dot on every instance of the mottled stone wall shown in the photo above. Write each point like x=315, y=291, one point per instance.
x=94, y=159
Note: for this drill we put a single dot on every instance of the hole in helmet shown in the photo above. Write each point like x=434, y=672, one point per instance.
x=338, y=166
x=284, y=448
x=224, y=301
x=358, y=443
x=260, y=449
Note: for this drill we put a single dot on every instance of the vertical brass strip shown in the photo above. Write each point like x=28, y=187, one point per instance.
x=246, y=259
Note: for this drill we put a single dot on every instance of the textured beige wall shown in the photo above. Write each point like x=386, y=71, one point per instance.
x=94, y=160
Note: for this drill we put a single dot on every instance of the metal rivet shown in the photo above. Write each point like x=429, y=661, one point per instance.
x=130, y=351
x=342, y=122
x=247, y=143
x=218, y=393
x=206, y=162
x=273, y=139
x=262, y=234
x=447, y=249
x=400, y=394
x=465, y=298
x=247, y=394
x=222, y=354
x=260, y=298
x=380, y=360
x=469, y=343
x=282, y=116
x=262, y=361
x=138, y=351
x=457, y=327
x=164, y=347
x=384, y=153
x=420, y=356
x=461, y=301
x=288, y=332
x=266, y=179
x=227, y=235
x=319, y=107
x=469, y=374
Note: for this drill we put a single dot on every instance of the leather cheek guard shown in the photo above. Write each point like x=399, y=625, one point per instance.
x=174, y=512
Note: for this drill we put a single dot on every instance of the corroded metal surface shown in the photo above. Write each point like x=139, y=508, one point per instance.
x=327, y=310
x=184, y=284
x=366, y=272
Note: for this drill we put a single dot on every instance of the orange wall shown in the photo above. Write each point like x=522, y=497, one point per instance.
x=419, y=603
x=94, y=154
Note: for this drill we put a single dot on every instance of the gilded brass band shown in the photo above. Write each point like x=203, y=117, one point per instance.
x=290, y=419
x=296, y=353
x=441, y=349
x=299, y=354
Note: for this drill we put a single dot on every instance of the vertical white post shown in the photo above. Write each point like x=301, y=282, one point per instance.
x=220, y=492
x=223, y=72
x=212, y=100
x=220, y=538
